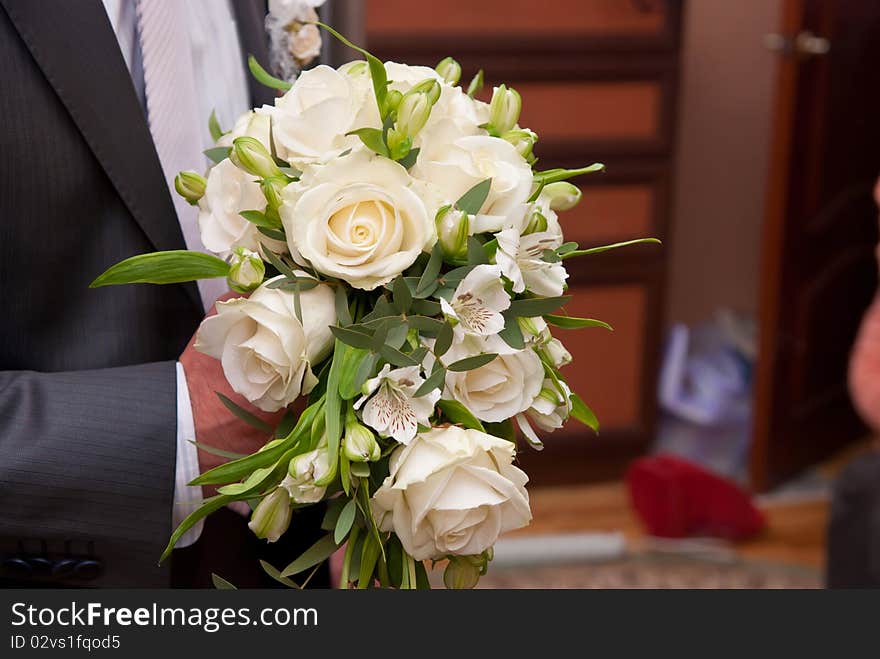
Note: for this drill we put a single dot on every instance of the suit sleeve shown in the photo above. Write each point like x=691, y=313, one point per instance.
x=87, y=462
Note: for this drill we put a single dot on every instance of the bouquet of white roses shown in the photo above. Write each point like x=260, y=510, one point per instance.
x=404, y=260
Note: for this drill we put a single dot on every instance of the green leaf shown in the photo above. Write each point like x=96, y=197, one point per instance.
x=425, y=325
x=360, y=469
x=343, y=524
x=264, y=77
x=470, y=363
x=273, y=234
x=458, y=413
x=278, y=264
x=537, y=306
x=207, y=507
x=565, y=248
x=377, y=69
x=425, y=307
x=218, y=153
x=569, y=322
x=318, y=552
x=260, y=219
x=244, y=415
x=476, y=84
x=444, y=340
x=434, y=381
x=476, y=255
x=553, y=175
x=584, y=414
x=503, y=429
x=410, y=158
x=213, y=450
x=352, y=337
x=428, y=280
x=512, y=332
x=401, y=295
x=214, y=126
x=171, y=267
x=345, y=473
x=369, y=556
x=219, y=582
x=294, y=283
x=331, y=516
x=605, y=248
x=373, y=139
x=273, y=572
x=352, y=360
x=343, y=315
x=395, y=357
x=472, y=201
x=333, y=414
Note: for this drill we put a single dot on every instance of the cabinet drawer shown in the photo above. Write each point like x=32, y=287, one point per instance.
x=607, y=370
x=517, y=18
x=589, y=111
x=611, y=213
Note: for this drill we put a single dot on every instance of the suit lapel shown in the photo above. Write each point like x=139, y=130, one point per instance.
x=74, y=45
x=250, y=17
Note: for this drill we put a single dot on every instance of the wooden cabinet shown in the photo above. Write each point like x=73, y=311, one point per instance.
x=599, y=81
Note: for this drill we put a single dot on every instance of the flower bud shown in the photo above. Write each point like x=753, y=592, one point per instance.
x=562, y=195
x=246, y=270
x=453, y=227
x=523, y=140
x=249, y=154
x=272, y=188
x=271, y=517
x=413, y=113
x=556, y=353
x=537, y=223
x=430, y=87
x=392, y=100
x=449, y=70
x=504, y=109
x=530, y=327
x=461, y=573
x=360, y=444
x=190, y=186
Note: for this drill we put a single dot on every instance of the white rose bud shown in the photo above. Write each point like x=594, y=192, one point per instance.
x=453, y=227
x=251, y=155
x=190, y=186
x=461, y=573
x=449, y=70
x=504, y=109
x=562, y=195
x=523, y=140
x=360, y=444
x=271, y=517
x=246, y=270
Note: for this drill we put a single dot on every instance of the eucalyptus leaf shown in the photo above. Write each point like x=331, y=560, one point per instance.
x=435, y=381
x=425, y=307
x=273, y=572
x=444, y=340
x=396, y=358
x=219, y=582
x=171, y=267
x=476, y=255
x=264, y=77
x=458, y=413
x=471, y=363
x=218, y=153
x=260, y=219
x=343, y=524
x=343, y=315
x=512, y=332
x=352, y=337
x=428, y=280
x=569, y=322
x=425, y=325
x=537, y=306
x=472, y=201
x=317, y=553
x=401, y=295
x=279, y=265
x=273, y=234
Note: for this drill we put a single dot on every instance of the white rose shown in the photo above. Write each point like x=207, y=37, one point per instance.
x=357, y=219
x=452, y=491
x=310, y=122
x=266, y=352
x=229, y=191
x=552, y=406
x=456, y=164
x=304, y=470
x=500, y=389
x=249, y=124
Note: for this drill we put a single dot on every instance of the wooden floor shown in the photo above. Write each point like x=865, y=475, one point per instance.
x=795, y=532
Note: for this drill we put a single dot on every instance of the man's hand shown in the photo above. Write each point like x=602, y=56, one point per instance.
x=215, y=425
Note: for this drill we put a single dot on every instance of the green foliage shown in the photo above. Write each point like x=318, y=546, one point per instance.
x=264, y=77
x=472, y=201
x=172, y=267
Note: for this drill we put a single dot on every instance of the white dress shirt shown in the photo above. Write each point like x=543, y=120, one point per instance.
x=221, y=87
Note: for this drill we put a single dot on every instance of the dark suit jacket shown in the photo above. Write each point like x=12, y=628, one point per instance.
x=87, y=377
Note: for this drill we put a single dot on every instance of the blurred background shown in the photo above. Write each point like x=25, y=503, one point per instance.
x=745, y=136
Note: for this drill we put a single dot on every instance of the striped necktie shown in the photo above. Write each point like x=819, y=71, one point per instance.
x=172, y=110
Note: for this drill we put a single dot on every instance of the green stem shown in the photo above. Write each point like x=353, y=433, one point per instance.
x=346, y=561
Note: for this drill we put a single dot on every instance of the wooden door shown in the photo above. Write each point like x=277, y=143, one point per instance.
x=818, y=268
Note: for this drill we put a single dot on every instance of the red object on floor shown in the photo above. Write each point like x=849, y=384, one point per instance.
x=675, y=499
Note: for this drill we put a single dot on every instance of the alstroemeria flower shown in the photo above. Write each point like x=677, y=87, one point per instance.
x=393, y=411
x=521, y=259
x=478, y=301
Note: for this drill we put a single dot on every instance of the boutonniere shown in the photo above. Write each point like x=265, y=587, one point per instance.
x=293, y=39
